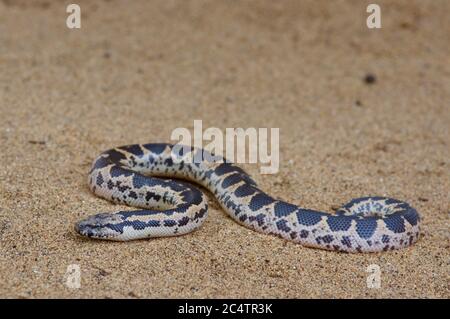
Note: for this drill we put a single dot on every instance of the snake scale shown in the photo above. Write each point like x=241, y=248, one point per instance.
x=138, y=175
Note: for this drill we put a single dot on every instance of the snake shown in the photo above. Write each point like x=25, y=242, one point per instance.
x=158, y=178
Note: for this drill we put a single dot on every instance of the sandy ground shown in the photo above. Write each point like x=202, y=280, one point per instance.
x=136, y=70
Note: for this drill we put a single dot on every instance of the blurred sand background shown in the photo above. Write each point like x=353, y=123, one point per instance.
x=138, y=69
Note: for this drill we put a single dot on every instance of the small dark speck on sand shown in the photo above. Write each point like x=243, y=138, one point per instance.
x=358, y=103
x=132, y=294
x=370, y=78
x=37, y=142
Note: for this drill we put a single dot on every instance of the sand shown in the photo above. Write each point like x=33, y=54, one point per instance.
x=137, y=70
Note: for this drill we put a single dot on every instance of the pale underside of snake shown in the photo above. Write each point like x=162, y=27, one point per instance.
x=136, y=175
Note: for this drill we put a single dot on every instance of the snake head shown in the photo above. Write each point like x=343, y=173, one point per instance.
x=102, y=226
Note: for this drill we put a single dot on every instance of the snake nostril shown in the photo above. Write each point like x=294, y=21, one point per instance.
x=81, y=228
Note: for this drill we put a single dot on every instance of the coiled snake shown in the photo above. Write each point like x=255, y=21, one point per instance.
x=171, y=207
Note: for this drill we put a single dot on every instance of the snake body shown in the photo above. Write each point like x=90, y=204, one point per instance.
x=137, y=175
